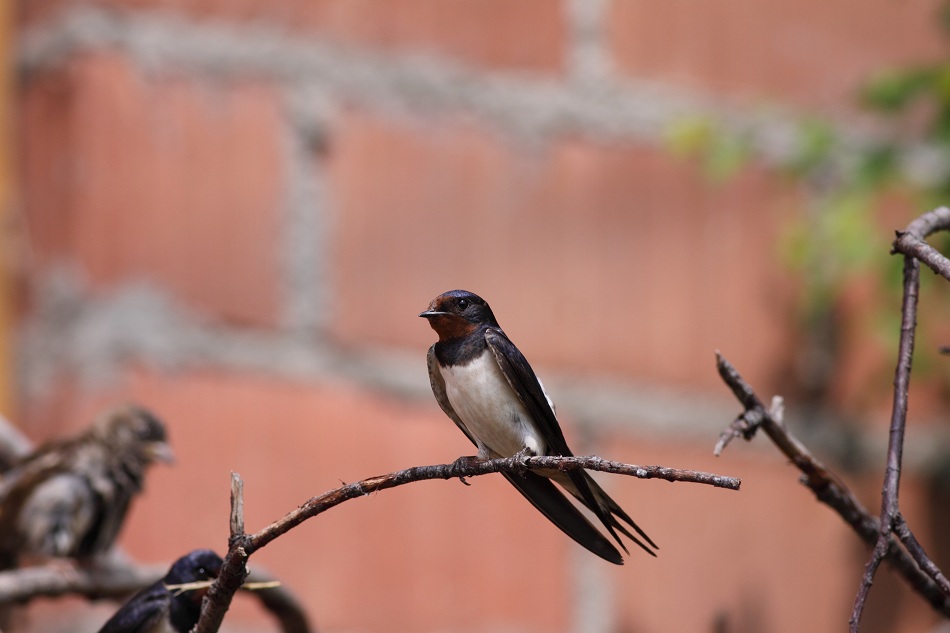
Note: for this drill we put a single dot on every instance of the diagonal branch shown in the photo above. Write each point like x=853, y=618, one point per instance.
x=241, y=545
x=827, y=486
x=919, y=555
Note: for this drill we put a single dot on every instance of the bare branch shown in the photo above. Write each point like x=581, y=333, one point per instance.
x=237, y=505
x=233, y=572
x=919, y=555
x=829, y=488
x=895, y=445
x=911, y=242
x=22, y=585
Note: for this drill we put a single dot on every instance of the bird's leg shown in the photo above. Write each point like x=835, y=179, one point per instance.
x=462, y=463
x=521, y=457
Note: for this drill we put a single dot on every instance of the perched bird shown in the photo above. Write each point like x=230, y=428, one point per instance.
x=164, y=608
x=69, y=498
x=486, y=386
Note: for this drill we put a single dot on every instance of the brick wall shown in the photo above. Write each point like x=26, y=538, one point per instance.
x=233, y=211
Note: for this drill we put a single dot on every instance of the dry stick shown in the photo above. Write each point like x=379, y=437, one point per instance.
x=241, y=545
x=895, y=443
x=919, y=555
x=827, y=486
x=53, y=580
x=911, y=243
x=911, y=240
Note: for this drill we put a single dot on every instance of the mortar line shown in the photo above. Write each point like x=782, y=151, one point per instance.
x=534, y=105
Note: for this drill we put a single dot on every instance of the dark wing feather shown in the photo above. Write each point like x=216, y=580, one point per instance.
x=552, y=503
x=142, y=613
x=616, y=511
x=525, y=383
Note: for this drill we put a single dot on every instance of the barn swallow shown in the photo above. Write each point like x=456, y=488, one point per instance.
x=163, y=608
x=70, y=497
x=486, y=386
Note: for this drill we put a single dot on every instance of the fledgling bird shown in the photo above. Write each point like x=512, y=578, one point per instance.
x=70, y=497
x=486, y=386
x=160, y=609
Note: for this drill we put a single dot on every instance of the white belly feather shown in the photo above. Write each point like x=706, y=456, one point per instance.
x=490, y=409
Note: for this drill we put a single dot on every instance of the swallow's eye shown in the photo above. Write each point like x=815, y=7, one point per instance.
x=462, y=304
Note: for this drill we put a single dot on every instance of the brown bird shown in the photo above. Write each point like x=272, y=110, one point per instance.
x=70, y=497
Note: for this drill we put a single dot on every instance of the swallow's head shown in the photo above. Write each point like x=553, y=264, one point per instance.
x=458, y=313
x=201, y=564
x=194, y=568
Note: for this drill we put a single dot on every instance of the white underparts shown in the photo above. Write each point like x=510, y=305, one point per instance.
x=490, y=409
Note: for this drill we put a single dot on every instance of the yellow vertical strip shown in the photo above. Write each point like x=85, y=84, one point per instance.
x=6, y=184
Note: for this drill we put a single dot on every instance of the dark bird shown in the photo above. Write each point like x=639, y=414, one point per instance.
x=486, y=386
x=164, y=608
x=70, y=497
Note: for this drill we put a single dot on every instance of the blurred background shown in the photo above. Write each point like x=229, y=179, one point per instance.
x=231, y=212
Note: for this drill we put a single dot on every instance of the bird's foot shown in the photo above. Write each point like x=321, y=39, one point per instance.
x=521, y=459
x=462, y=463
x=523, y=455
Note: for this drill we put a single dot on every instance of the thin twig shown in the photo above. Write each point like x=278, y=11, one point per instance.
x=218, y=599
x=917, y=552
x=237, y=505
x=234, y=569
x=828, y=487
x=58, y=579
x=324, y=502
x=911, y=240
x=895, y=445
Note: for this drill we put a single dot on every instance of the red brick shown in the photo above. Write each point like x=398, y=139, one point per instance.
x=810, y=53
x=433, y=556
x=597, y=258
x=492, y=33
x=159, y=178
x=527, y=35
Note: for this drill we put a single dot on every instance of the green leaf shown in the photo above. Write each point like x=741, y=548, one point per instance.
x=689, y=136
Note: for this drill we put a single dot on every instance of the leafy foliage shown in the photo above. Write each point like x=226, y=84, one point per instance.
x=897, y=168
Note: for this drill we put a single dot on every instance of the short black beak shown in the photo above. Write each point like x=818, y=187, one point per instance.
x=431, y=313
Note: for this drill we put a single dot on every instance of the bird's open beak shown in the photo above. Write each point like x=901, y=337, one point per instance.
x=161, y=452
x=428, y=314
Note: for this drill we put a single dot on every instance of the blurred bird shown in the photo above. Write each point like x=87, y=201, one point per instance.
x=486, y=386
x=163, y=607
x=69, y=498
